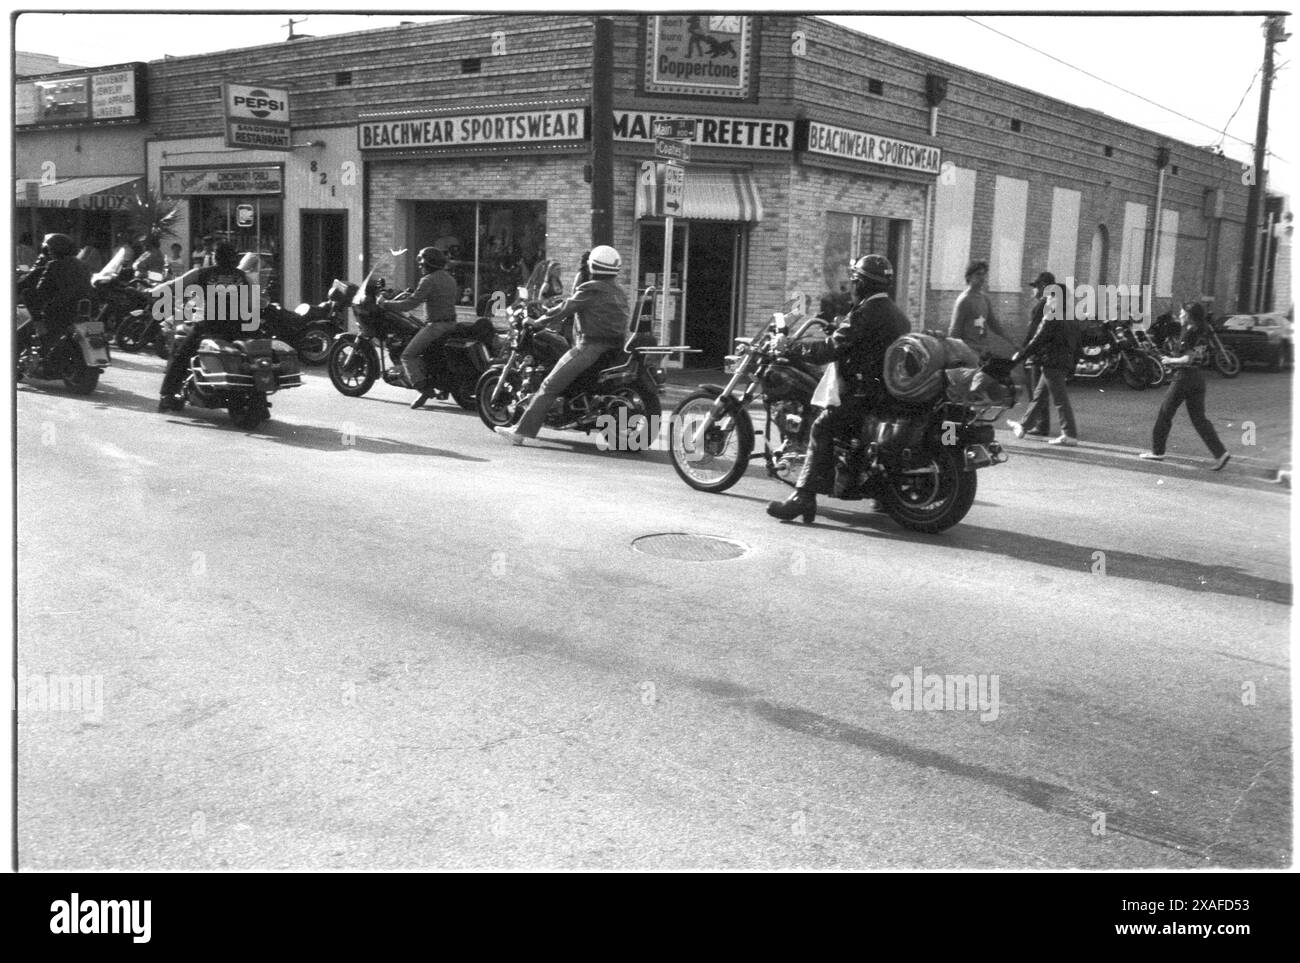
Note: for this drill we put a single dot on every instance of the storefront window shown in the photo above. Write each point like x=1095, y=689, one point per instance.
x=851, y=236
x=493, y=247
x=252, y=224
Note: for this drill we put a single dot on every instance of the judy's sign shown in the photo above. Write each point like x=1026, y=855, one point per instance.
x=475, y=130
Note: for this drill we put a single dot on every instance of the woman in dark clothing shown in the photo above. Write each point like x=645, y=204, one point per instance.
x=1188, y=385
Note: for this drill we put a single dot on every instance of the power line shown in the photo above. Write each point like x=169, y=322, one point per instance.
x=1103, y=80
x=1239, y=103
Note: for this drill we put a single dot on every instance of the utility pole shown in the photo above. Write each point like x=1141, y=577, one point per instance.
x=1273, y=34
x=602, y=132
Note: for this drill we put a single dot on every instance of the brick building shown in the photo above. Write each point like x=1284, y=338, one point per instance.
x=813, y=144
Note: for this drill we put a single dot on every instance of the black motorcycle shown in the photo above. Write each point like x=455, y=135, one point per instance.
x=355, y=360
x=312, y=328
x=77, y=357
x=240, y=376
x=1111, y=346
x=919, y=460
x=621, y=391
x=785, y=389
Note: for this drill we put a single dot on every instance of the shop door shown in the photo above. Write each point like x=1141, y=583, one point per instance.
x=324, y=252
x=710, y=291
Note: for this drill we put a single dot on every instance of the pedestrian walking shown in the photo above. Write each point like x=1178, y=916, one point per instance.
x=1033, y=370
x=1053, y=346
x=1188, y=386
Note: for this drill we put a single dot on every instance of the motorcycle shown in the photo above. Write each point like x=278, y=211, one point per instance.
x=1166, y=332
x=621, y=390
x=77, y=357
x=240, y=376
x=355, y=358
x=312, y=328
x=1111, y=346
x=919, y=461
x=785, y=388
x=121, y=297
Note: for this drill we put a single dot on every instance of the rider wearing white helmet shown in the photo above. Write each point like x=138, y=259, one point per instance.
x=601, y=310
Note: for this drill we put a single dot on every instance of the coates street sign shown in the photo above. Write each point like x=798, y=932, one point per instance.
x=669, y=149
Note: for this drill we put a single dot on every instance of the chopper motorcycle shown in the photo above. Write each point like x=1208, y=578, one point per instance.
x=356, y=359
x=919, y=461
x=621, y=389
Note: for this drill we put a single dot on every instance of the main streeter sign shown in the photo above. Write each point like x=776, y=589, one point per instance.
x=872, y=148
x=475, y=130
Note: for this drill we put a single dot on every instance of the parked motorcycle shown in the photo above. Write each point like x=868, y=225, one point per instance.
x=78, y=357
x=355, y=359
x=919, y=463
x=620, y=390
x=784, y=387
x=312, y=328
x=119, y=295
x=240, y=376
x=1110, y=346
x=1166, y=332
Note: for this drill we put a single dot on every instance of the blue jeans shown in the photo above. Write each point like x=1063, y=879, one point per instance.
x=566, y=371
x=413, y=354
x=1187, y=387
x=1051, y=385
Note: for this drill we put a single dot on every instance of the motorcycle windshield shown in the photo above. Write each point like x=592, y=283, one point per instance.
x=364, y=293
x=116, y=264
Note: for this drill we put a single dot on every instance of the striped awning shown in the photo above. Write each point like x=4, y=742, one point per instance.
x=720, y=195
x=89, y=193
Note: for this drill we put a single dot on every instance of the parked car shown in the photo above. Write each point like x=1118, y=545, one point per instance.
x=1259, y=338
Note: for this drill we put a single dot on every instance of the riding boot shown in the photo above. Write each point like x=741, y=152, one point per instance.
x=802, y=502
x=419, y=401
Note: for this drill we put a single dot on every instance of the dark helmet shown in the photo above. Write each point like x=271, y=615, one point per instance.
x=225, y=255
x=433, y=258
x=874, y=268
x=59, y=245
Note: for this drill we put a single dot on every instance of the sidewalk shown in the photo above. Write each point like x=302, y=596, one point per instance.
x=1252, y=414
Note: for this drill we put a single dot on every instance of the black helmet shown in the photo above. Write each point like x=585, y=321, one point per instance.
x=873, y=267
x=59, y=245
x=433, y=258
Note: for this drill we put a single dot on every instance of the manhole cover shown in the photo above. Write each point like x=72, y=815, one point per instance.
x=689, y=548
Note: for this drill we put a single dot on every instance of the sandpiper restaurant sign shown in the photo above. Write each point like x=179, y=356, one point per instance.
x=257, y=117
x=701, y=56
x=210, y=181
x=871, y=148
x=556, y=125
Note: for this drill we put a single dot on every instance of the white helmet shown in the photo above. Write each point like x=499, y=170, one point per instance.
x=604, y=260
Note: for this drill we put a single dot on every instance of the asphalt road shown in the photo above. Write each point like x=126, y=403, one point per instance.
x=365, y=637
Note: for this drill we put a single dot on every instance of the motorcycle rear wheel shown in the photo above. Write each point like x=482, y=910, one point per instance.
x=313, y=345
x=933, y=497
x=465, y=393
x=718, y=460
x=249, y=411
x=131, y=333
x=78, y=376
x=353, y=367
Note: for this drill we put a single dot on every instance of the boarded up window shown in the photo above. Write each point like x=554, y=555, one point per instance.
x=1062, y=247
x=1010, y=201
x=954, y=207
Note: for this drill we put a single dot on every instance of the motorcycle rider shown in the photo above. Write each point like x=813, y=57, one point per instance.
x=151, y=260
x=858, y=348
x=52, y=290
x=224, y=273
x=437, y=291
x=601, y=309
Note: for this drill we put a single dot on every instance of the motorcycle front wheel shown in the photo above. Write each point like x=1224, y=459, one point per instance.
x=931, y=497
x=499, y=415
x=353, y=367
x=131, y=333
x=1226, y=362
x=1159, y=374
x=716, y=461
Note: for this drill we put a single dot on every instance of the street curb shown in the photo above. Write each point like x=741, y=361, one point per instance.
x=1092, y=451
